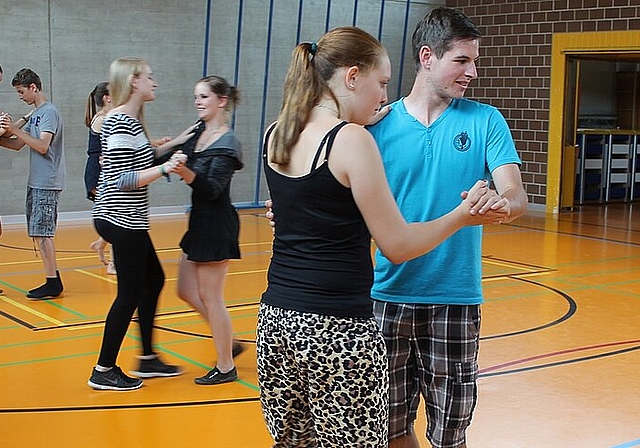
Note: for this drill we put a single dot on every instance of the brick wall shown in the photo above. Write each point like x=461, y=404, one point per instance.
x=515, y=58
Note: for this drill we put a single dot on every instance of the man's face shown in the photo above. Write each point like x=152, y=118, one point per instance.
x=451, y=75
x=27, y=94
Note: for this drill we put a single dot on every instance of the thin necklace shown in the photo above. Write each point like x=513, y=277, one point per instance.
x=204, y=142
x=324, y=106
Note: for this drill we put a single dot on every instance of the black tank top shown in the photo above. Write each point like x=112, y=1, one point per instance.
x=321, y=260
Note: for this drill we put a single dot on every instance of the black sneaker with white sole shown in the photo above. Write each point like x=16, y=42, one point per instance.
x=154, y=367
x=215, y=376
x=113, y=379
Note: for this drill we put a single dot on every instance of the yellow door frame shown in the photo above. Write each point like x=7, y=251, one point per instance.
x=565, y=45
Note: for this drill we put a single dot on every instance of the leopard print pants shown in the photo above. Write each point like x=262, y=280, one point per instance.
x=323, y=379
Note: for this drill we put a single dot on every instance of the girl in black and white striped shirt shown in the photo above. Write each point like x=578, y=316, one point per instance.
x=121, y=217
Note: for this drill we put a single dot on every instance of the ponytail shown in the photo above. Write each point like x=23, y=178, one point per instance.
x=303, y=88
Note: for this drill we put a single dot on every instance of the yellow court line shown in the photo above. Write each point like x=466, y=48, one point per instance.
x=195, y=313
x=12, y=263
x=257, y=271
x=39, y=261
x=100, y=277
x=85, y=327
x=508, y=264
x=168, y=317
x=168, y=279
x=31, y=311
x=70, y=258
x=256, y=243
x=245, y=307
x=535, y=274
x=111, y=280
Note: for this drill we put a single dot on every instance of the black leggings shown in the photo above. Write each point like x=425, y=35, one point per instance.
x=140, y=280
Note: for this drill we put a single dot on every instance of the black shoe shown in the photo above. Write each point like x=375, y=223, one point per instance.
x=237, y=348
x=215, y=376
x=150, y=368
x=55, y=283
x=113, y=379
x=50, y=290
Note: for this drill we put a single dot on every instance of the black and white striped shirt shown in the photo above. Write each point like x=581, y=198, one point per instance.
x=125, y=151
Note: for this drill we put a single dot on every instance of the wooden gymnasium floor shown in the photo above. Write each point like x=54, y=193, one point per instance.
x=560, y=353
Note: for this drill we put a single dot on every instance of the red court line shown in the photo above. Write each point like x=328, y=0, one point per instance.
x=552, y=354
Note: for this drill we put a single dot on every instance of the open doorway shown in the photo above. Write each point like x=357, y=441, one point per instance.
x=607, y=129
x=594, y=119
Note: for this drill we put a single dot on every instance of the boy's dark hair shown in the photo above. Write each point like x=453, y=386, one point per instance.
x=439, y=29
x=25, y=78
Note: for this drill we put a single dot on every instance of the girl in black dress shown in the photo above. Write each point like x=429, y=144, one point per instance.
x=212, y=237
x=98, y=106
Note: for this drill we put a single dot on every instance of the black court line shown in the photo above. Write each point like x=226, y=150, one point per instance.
x=573, y=307
x=520, y=264
x=570, y=312
x=579, y=235
x=511, y=275
x=18, y=321
x=129, y=406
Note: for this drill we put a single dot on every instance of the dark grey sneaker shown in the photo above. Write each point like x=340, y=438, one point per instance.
x=151, y=368
x=113, y=379
x=215, y=376
x=237, y=348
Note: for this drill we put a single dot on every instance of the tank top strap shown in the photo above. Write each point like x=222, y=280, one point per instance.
x=266, y=140
x=328, y=140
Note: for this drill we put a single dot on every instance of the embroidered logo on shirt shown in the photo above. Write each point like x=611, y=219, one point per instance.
x=462, y=142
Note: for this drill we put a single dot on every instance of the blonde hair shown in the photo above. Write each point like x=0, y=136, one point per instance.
x=311, y=66
x=121, y=73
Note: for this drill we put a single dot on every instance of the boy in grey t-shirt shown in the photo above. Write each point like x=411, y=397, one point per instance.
x=43, y=134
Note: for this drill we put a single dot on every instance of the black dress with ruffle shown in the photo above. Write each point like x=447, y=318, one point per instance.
x=214, y=226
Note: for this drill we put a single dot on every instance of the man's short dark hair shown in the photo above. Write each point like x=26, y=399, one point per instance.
x=25, y=78
x=440, y=29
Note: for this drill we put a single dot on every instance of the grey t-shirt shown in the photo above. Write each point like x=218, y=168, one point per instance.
x=47, y=171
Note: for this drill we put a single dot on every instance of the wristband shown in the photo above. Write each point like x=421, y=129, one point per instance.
x=163, y=172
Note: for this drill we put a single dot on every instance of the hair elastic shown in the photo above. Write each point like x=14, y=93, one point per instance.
x=313, y=49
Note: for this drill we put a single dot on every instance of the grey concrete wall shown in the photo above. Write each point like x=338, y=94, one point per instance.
x=70, y=44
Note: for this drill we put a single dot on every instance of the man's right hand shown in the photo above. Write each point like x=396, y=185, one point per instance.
x=269, y=213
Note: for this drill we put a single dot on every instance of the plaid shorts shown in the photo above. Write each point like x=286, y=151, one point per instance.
x=42, y=212
x=433, y=351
